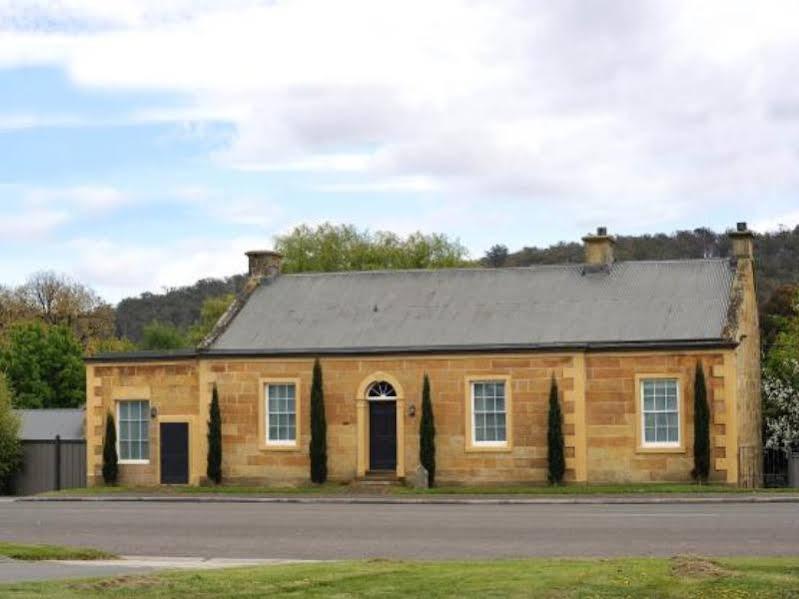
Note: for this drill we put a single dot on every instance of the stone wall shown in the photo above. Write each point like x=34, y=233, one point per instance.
x=171, y=388
x=614, y=450
x=597, y=390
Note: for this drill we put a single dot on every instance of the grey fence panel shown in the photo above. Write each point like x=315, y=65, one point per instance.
x=40, y=471
x=73, y=464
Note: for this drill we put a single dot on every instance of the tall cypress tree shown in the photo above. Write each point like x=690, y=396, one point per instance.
x=110, y=461
x=318, y=448
x=427, y=434
x=555, y=454
x=701, y=427
x=214, y=470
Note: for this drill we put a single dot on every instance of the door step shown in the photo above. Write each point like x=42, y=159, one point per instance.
x=376, y=483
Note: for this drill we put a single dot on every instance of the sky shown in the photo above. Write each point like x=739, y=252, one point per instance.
x=146, y=144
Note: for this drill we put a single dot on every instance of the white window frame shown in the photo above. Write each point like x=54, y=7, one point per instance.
x=119, y=430
x=281, y=442
x=475, y=442
x=660, y=444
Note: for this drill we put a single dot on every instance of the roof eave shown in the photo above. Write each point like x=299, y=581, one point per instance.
x=592, y=346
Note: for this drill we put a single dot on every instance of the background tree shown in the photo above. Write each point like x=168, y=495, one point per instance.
x=555, y=443
x=334, y=248
x=214, y=470
x=701, y=427
x=212, y=310
x=110, y=460
x=427, y=434
x=318, y=447
x=179, y=306
x=160, y=335
x=44, y=366
x=10, y=449
x=496, y=256
x=56, y=299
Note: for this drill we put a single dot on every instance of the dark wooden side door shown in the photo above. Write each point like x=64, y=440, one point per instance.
x=383, y=435
x=174, y=453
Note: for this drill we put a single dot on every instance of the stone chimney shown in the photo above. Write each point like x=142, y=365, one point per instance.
x=599, y=248
x=264, y=263
x=743, y=242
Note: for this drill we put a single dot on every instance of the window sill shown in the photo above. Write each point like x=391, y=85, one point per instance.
x=133, y=462
x=278, y=447
x=660, y=450
x=489, y=448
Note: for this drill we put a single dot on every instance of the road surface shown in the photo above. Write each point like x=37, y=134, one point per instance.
x=324, y=531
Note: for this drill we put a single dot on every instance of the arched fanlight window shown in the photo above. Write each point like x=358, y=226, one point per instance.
x=381, y=390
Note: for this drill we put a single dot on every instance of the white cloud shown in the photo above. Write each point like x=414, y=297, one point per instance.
x=82, y=197
x=647, y=105
x=26, y=224
x=789, y=221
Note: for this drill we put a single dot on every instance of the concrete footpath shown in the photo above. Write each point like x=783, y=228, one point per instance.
x=29, y=571
x=629, y=499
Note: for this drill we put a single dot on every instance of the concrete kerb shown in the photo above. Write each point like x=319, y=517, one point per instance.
x=448, y=500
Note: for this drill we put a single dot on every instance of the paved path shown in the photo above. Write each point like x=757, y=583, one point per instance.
x=339, y=531
x=20, y=571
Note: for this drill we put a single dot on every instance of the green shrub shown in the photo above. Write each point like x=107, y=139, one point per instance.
x=701, y=427
x=214, y=470
x=318, y=448
x=110, y=460
x=555, y=454
x=427, y=434
x=10, y=449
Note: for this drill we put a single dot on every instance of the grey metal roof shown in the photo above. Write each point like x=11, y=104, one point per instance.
x=40, y=425
x=629, y=303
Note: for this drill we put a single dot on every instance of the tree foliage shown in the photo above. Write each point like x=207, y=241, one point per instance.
x=334, y=248
x=214, y=469
x=56, y=299
x=701, y=427
x=212, y=310
x=10, y=448
x=427, y=434
x=44, y=366
x=556, y=459
x=110, y=459
x=181, y=306
x=318, y=446
x=496, y=256
x=160, y=335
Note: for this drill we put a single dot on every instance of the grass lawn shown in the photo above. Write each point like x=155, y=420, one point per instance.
x=311, y=489
x=342, y=489
x=552, y=578
x=582, y=489
x=44, y=552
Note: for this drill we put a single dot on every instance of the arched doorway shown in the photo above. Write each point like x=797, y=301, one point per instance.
x=382, y=399
x=380, y=410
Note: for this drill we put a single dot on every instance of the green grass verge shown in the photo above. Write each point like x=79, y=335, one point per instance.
x=45, y=552
x=341, y=489
x=552, y=578
x=326, y=489
x=582, y=489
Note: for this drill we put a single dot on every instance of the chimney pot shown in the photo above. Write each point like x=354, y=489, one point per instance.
x=743, y=241
x=599, y=248
x=264, y=263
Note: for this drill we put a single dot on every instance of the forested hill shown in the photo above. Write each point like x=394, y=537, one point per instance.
x=179, y=306
x=777, y=264
x=777, y=253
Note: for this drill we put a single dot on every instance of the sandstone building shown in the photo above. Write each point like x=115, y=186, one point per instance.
x=622, y=340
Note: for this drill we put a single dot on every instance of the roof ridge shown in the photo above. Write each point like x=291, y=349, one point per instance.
x=383, y=271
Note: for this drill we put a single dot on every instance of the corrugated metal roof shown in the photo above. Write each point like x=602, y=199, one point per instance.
x=631, y=302
x=40, y=425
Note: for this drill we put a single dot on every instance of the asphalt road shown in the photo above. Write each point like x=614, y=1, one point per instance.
x=318, y=531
